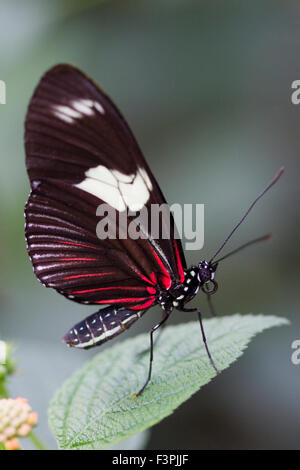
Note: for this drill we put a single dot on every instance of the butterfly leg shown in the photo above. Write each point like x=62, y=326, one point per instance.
x=203, y=335
x=155, y=327
x=144, y=351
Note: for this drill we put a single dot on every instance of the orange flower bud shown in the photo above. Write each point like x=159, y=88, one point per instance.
x=16, y=420
x=12, y=444
x=32, y=418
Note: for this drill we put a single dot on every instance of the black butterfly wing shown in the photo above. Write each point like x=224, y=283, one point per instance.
x=67, y=255
x=80, y=153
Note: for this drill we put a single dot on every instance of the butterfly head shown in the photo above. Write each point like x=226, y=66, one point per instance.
x=206, y=274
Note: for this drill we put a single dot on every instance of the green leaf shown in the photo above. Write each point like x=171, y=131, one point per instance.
x=94, y=409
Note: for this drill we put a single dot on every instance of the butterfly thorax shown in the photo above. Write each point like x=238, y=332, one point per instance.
x=195, y=278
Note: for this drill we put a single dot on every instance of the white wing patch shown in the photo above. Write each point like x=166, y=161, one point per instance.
x=146, y=178
x=135, y=194
x=77, y=110
x=85, y=107
x=117, y=189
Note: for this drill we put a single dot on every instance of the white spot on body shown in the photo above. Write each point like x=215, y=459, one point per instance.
x=86, y=343
x=113, y=331
x=105, y=335
x=127, y=319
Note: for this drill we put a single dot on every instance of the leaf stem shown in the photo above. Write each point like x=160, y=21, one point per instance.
x=38, y=444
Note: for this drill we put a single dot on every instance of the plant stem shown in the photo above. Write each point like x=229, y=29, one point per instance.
x=36, y=441
x=3, y=391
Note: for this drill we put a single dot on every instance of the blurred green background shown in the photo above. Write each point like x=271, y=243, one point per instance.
x=206, y=88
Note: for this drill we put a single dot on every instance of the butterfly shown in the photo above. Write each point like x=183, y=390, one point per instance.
x=80, y=153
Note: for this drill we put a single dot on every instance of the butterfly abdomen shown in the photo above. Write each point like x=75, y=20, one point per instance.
x=101, y=327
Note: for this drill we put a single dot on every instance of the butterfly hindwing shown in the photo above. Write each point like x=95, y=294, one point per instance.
x=67, y=255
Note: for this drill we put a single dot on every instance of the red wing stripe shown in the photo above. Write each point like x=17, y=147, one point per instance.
x=166, y=279
x=107, y=288
x=86, y=275
x=151, y=290
x=146, y=279
x=78, y=259
x=79, y=244
x=120, y=301
x=179, y=263
x=153, y=278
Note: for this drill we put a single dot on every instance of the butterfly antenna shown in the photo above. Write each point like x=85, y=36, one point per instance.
x=252, y=242
x=274, y=180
